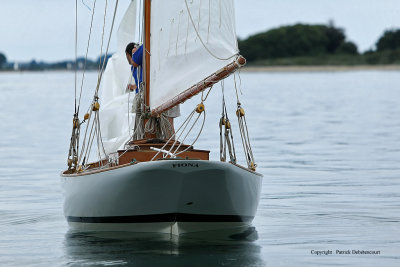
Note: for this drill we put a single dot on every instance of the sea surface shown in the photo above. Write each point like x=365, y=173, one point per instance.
x=327, y=143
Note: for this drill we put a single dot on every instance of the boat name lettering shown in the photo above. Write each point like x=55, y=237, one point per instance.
x=180, y=165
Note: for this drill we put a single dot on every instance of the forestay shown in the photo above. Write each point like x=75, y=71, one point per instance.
x=190, y=40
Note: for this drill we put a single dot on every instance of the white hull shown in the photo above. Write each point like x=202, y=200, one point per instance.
x=166, y=196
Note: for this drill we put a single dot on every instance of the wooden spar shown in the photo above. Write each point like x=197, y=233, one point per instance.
x=201, y=86
x=147, y=22
x=147, y=14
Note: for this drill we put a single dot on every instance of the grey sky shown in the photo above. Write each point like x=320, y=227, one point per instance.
x=44, y=29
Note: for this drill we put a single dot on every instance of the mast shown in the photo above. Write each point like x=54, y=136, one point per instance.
x=147, y=15
x=147, y=26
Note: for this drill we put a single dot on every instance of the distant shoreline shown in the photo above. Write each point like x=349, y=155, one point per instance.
x=291, y=68
x=322, y=68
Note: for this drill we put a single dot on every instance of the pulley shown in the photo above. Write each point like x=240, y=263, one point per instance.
x=96, y=106
x=200, y=108
x=227, y=124
x=223, y=121
x=86, y=117
x=75, y=123
x=240, y=112
x=253, y=166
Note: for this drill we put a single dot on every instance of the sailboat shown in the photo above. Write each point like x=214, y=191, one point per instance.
x=146, y=179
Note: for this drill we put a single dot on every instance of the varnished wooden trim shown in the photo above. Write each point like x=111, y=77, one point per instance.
x=147, y=52
x=201, y=86
x=95, y=171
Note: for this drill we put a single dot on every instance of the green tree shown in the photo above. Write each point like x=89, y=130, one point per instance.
x=389, y=41
x=296, y=41
x=3, y=59
x=347, y=48
x=335, y=37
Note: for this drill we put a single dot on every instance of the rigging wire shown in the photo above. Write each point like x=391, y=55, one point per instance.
x=108, y=46
x=98, y=132
x=197, y=137
x=244, y=133
x=86, y=56
x=174, y=134
x=184, y=126
x=76, y=47
x=226, y=138
x=102, y=36
x=83, y=2
x=95, y=127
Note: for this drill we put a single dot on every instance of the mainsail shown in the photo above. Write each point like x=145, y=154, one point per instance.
x=190, y=40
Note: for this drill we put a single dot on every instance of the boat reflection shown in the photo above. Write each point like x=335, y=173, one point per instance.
x=121, y=248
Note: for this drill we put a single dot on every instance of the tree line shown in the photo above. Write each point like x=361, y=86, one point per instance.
x=316, y=44
x=299, y=44
x=33, y=65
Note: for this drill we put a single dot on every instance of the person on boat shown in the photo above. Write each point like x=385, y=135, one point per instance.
x=134, y=55
x=130, y=49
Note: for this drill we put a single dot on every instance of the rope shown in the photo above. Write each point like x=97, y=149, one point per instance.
x=226, y=139
x=84, y=144
x=222, y=151
x=128, y=106
x=201, y=40
x=76, y=47
x=183, y=130
x=140, y=116
x=244, y=133
x=102, y=34
x=108, y=46
x=86, y=5
x=96, y=121
x=99, y=135
x=74, y=144
x=174, y=134
x=86, y=55
x=198, y=135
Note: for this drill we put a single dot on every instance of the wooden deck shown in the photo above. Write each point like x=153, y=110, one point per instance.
x=140, y=151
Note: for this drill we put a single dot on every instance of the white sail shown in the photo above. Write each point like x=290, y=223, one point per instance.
x=190, y=40
x=115, y=111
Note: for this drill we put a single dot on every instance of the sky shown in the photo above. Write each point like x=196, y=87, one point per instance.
x=44, y=30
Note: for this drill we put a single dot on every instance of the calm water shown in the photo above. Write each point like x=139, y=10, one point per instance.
x=328, y=144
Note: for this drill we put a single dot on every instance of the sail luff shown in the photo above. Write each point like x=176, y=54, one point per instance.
x=201, y=86
x=146, y=55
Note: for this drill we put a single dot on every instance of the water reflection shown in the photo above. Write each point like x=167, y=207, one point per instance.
x=111, y=248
